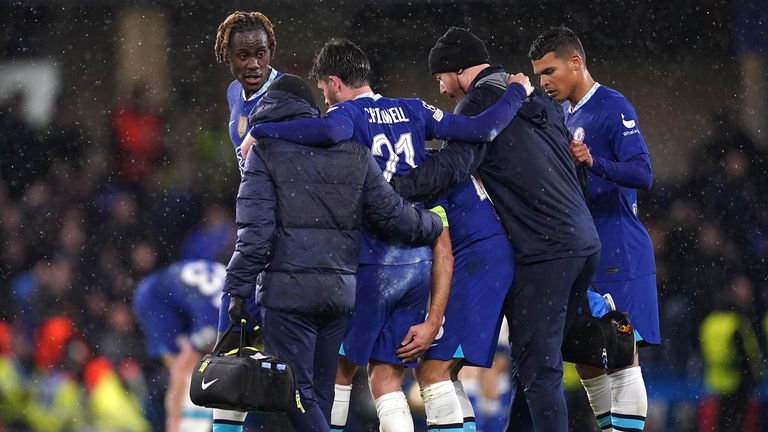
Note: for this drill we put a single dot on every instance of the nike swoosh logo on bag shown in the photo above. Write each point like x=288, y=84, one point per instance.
x=205, y=385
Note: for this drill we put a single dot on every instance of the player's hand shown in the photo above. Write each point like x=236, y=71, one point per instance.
x=237, y=310
x=246, y=145
x=418, y=340
x=522, y=79
x=580, y=153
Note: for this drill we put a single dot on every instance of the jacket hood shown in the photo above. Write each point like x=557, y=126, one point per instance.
x=278, y=105
x=534, y=109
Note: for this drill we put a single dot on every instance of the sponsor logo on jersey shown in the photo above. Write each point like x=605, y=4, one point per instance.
x=629, y=124
x=242, y=125
x=578, y=135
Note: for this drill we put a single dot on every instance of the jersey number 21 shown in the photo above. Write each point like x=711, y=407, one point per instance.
x=403, y=147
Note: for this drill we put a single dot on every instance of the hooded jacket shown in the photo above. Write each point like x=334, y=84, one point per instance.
x=299, y=213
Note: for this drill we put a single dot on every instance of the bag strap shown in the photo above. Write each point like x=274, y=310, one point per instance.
x=220, y=343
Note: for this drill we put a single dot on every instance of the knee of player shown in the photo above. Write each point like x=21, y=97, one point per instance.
x=429, y=372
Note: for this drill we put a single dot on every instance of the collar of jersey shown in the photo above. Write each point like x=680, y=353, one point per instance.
x=585, y=98
x=369, y=94
x=263, y=89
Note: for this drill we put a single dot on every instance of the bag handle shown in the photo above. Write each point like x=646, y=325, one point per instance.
x=220, y=343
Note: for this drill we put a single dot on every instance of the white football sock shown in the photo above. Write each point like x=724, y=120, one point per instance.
x=630, y=400
x=340, y=409
x=441, y=404
x=599, y=394
x=394, y=414
x=466, y=406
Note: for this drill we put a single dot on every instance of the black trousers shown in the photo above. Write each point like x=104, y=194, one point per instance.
x=310, y=345
x=539, y=309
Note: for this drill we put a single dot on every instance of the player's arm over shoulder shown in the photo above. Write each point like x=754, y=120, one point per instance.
x=477, y=100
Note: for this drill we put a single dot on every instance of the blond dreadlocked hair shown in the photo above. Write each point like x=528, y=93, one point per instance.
x=241, y=21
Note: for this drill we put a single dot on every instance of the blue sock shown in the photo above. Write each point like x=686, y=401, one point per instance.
x=469, y=424
x=626, y=422
x=227, y=426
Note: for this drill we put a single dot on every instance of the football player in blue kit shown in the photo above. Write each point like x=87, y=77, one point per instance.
x=177, y=308
x=607, y=140
x=388, y=330
x=246, y=42
x=482, y=276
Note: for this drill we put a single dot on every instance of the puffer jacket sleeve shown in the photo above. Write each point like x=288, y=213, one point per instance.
x=256, y=220
x=386, y=211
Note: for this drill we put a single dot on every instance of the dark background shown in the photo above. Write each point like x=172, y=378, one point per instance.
x=84, y=235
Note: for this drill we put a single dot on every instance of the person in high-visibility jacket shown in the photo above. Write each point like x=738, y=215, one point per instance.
x=731, y=353
x=13, y=396
x=111, y=407
x=56, y=402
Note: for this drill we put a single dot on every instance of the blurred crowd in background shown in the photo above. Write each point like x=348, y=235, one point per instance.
x=83, y=220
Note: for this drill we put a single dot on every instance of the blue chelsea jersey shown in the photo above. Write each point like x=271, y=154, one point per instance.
x=239, y=108
x=181, y=299
x=471, y=216
x=395, y=130
x=606, y=121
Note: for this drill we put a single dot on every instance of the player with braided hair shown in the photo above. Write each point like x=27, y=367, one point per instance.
x=246, y=42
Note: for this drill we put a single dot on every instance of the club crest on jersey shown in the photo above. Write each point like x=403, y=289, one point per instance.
x=578, y=134
x=242, y=125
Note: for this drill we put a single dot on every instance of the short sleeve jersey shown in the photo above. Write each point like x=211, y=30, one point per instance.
x=239, y=108
x=182, y=299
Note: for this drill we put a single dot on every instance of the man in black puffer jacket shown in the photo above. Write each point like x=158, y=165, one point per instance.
x=299, y=212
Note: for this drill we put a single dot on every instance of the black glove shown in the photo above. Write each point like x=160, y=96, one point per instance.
x=237, y=309
x=393, y=183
